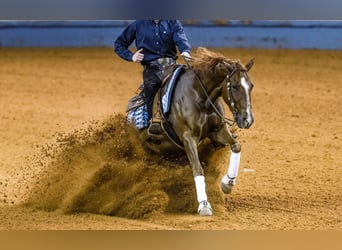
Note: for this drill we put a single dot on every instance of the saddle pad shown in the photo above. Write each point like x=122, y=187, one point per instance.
x=167, y=96
x=138, y=115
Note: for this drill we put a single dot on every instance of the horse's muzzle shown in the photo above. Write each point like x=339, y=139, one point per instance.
x=244, y=120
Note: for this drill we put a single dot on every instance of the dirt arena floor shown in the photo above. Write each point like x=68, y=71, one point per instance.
x=68, y=160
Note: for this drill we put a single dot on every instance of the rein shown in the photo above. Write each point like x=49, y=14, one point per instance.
x=225, y=120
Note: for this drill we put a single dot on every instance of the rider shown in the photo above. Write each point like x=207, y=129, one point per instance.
x=156, y=42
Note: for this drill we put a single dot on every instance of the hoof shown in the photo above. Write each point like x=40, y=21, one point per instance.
x=227, y=184
x=204, y=209
x=226, y=188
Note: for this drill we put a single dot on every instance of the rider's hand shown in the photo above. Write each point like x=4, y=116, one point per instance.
x=186, y=56
x=138, y=56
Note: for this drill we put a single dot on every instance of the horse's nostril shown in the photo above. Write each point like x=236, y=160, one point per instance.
x=247, y=122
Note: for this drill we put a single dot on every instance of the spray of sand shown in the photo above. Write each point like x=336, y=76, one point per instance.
x=104, y=169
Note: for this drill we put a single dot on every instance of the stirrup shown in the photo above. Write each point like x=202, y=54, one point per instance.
x=155, y=131
x=155, y=128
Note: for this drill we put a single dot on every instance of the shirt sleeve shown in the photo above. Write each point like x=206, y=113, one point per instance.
x=124, y=40
x=180, y=37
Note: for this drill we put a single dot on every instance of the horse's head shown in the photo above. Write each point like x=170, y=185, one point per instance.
x=236, y=92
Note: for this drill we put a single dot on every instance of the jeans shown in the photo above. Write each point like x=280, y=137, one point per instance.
x=153, y=76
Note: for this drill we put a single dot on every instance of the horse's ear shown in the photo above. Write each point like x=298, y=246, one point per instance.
x=250, y=64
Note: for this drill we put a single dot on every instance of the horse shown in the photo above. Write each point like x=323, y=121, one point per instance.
x=196, y=113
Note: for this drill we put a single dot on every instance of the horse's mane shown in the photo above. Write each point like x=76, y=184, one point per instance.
x=206, y=60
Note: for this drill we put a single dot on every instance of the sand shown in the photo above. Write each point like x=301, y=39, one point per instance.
x=68, y=160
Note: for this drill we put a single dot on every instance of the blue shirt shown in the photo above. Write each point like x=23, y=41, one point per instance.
x=156, y=39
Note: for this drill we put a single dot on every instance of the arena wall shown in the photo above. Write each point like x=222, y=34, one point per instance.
x=218, y=33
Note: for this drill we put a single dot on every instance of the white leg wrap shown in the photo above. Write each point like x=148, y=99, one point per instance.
x=200, y=188
x=234, y=164
x=233, y=168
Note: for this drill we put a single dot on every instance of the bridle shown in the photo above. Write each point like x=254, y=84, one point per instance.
x=231, y=103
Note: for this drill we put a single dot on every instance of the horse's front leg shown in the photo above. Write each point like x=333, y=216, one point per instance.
x=190, y=146
x=229, y=179
x=223, y=137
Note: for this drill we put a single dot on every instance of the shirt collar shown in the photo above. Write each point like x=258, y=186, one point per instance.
x=156, y=21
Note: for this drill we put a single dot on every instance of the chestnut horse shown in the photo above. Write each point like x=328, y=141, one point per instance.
x=196, y=113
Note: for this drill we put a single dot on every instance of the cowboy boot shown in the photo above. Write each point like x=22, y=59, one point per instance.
x=155, y=123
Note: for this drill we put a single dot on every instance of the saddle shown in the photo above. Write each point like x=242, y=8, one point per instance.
x=159, y=127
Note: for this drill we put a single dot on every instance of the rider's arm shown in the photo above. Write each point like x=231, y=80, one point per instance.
x=122, y=43
x=180, y=37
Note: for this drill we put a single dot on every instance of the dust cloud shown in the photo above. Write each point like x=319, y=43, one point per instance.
x=104, y=169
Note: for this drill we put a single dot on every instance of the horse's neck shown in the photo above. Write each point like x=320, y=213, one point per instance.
x=211, y=83
x=216, y=93
x=211, y=88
